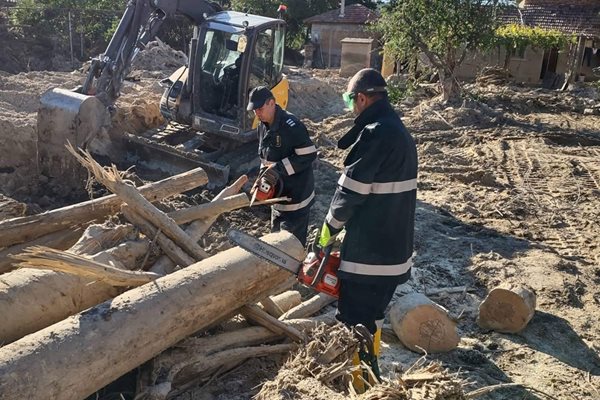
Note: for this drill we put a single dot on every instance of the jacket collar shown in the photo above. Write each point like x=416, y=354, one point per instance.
x=277, y=120
x=368, y=116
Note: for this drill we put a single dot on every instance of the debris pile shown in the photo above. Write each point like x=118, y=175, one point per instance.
x=493, y=76
x=158, y=56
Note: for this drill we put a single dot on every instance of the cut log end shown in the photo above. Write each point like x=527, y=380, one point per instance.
x=421, y=324
x=507, y=309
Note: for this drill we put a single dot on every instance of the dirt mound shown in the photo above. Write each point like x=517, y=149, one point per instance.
x=313, y=97
x=158, y=56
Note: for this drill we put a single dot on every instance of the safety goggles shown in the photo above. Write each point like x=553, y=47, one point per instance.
x=349, y=99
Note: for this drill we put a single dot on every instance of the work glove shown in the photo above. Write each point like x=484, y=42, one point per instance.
x=328, y=235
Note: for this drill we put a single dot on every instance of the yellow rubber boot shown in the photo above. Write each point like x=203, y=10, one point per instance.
x=357, y=375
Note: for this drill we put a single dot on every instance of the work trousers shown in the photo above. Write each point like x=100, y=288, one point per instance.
x=295, y=222
x=361, y=303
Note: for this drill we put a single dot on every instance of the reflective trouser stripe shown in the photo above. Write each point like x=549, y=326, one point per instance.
x=334, y=222
x=294, y=207
x=375, y=269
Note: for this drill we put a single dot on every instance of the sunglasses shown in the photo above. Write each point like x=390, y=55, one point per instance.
x=348, y=98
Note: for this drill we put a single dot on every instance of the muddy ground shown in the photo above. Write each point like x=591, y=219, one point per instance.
x=509, y=191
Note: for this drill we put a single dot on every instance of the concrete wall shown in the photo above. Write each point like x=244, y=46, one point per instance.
x=330, y=37
x=356, y=55
x=526, y=69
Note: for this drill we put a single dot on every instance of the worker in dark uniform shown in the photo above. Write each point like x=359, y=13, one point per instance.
x=286, y=153
x=374, y=202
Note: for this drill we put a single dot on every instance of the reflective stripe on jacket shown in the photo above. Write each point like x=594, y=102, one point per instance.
x=286, y=144
x=375, y=198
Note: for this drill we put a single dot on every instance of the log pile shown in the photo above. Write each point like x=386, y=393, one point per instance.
x=134, y=288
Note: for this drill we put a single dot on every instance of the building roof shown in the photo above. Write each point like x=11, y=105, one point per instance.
x=574, y=19
x=353, y=14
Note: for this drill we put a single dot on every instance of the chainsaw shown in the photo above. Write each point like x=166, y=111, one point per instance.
x=264, y=190
x=318, y=270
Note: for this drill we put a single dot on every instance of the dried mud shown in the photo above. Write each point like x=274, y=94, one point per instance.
x=509, y=190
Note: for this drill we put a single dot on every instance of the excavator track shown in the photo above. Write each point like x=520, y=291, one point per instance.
x=174, y=148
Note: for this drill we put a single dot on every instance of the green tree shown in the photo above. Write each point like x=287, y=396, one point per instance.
x=442, y=30
x=297, y=12
x=515, y=37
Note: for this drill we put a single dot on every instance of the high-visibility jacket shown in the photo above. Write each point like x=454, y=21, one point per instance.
x=375, y=198
x=286, y=143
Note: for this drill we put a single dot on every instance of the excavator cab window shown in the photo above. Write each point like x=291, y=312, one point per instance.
x=267, y=59
x=220, y=75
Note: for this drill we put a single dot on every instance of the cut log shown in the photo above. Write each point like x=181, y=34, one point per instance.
x=421, y=324
x=18, y=230
x=507, y=308
x=309, y=307
x=111, y=178
x=254, y=314
x=34, y=299
x=280, y=303
x=164, y=265
x=166, y=311
x=60, y=240
x=174, y=252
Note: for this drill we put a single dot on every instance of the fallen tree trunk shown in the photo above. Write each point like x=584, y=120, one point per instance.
x=112, y=179
x=170, y=248
x=507, y=308
x=164, y=265
x=18, y=230
x=60, y=240
x=33, y=299
x=209, y=289
x=422, y=324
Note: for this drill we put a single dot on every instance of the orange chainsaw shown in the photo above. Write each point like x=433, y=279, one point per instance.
x=318, y=270
x=264, y=190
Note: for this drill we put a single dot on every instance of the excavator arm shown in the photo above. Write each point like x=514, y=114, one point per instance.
x=139, y=24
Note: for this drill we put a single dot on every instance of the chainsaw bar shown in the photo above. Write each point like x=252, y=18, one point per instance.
x=265, y=251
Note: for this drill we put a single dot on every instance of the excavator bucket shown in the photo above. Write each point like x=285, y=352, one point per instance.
x=67, y=117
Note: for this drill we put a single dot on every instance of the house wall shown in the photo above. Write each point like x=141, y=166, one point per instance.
x=330, y=37
x=526, y=69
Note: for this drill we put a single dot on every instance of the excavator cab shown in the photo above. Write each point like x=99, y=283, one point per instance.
x=204, y=102
x=232, y=53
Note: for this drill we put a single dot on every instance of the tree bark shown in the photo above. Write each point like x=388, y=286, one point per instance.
x=63, y=361
x=507, y=308
x=33, y=299
x=18, y=230
x=60, y=240
x=422, y=324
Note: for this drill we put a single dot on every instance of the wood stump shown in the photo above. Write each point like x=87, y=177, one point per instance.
x=507, y=308
x=422, y=324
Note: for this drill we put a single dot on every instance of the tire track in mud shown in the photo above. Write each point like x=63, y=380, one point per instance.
x=538, y=173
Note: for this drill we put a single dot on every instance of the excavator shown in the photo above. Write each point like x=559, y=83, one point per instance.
x=204, y=101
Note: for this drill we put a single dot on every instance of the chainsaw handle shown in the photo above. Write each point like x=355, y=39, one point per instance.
x=322, y=264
